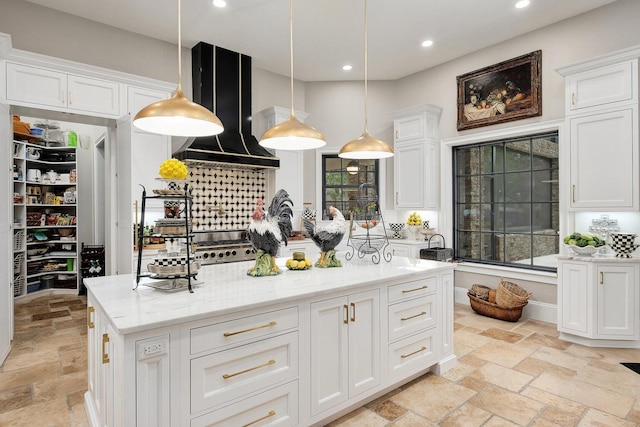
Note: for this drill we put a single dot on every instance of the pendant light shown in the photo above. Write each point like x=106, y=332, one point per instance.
x=365, y=146
x=292, y=134
x=352, y=167
x=178, y=116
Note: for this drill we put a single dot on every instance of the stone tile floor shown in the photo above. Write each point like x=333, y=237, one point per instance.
x=508, y=374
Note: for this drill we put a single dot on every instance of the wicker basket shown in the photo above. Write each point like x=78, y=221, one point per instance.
x=511, y=295
x=480, y=291
x=485, y=308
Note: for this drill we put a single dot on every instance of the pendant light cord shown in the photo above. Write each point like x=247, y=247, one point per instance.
x=291, y=50
x=179, y=89
x=366, y=110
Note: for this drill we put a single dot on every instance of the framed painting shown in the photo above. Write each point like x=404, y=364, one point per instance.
x=510, y=90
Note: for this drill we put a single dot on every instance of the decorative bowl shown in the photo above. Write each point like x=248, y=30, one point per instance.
x=397, y=228
x=623, y=244
x=584, y=250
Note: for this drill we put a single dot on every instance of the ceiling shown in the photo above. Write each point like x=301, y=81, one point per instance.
x=330, y=33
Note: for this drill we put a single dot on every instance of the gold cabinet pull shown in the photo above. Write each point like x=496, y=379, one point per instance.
x=346, y=315
x=268, y=325
x=415, y=315
x=573, y=193
x=105, y=356
x=90, y=323
x=406, y=291
x=270, y=414
x=404, y=356
x=602, y=278
x=269, y=363
x=573, y=99
x=396, y=197
x=353, y=312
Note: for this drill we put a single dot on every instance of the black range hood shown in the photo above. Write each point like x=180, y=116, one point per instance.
x=222, y=78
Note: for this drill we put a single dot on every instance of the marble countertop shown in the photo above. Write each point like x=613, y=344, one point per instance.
x=598, y=258
x=226, y=288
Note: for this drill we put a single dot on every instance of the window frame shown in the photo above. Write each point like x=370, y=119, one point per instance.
x=553, y=201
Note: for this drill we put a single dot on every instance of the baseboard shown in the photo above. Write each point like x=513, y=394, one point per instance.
x=536, y=310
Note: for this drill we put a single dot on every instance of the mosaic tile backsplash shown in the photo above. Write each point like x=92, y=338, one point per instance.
x=224, y=199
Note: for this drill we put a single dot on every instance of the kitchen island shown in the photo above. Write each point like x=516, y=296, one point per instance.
x=300, y=348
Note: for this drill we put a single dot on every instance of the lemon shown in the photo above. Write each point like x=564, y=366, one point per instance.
x=307, y=262
x=173, y=169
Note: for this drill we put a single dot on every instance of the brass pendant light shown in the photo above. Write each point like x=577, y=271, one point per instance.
x=365, y=146
x=178, y=116
x=292, y=134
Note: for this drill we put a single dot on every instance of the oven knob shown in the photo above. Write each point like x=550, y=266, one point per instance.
x=248, y=251
x=227, y=253
x=206, y=255
x=233, y=253
x=220, y=254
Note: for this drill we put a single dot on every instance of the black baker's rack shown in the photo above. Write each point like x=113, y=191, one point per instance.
x=182, y=197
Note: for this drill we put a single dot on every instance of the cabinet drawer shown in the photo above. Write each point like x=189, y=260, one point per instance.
x=412, y=289
x=412, y=354
x=237, y=331
x=412, y=316
x=230, y=374
x=273, y=407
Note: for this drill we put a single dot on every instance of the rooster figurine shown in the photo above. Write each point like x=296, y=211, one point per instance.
x=327, y=237
x=267, y=230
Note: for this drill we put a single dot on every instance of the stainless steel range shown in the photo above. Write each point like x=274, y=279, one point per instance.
x=217, y=247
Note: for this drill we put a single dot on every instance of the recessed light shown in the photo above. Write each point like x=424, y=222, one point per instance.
x=347, y=67
x=522, y=3
x=219, y=3
x=427, y=43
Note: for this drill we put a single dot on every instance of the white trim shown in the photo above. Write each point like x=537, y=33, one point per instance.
x=382, y=177
x=445, y=220
x=535, y=310
x=546, y=277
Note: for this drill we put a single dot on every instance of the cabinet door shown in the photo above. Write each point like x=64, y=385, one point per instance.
x=410, y=176
x=617, y=302
x=604, y=165
x=400, y=250
x=93, y=95
x=364, y=341
x=600, y=87
x=36, y=86
x=574, y=299
x=409, y=128
x=329, y=362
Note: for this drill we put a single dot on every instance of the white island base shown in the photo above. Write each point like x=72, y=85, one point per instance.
x=297, y=349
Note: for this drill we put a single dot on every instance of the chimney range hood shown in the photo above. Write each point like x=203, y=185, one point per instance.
x=222, y=78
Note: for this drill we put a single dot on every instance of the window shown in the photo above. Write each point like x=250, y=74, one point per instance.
x=506, y=206
x=341, y=179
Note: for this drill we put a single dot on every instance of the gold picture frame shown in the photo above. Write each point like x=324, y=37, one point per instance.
x=509, y=90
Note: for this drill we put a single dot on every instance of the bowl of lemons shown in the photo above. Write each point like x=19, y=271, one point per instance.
x=298, y=262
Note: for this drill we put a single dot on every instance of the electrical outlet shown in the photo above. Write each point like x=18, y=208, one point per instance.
x=153, y=349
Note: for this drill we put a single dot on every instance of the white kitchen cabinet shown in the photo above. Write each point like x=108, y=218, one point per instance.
x=417, y=158
x=351, y=363
x=406, y=247
x=602, y=119
x=267, y=352
x=604, y=160
x=599, y=301
x=601, y=86
x=44, y=88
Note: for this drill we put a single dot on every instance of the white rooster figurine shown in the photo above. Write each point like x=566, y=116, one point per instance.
x=327, y=237
x=267, y=230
